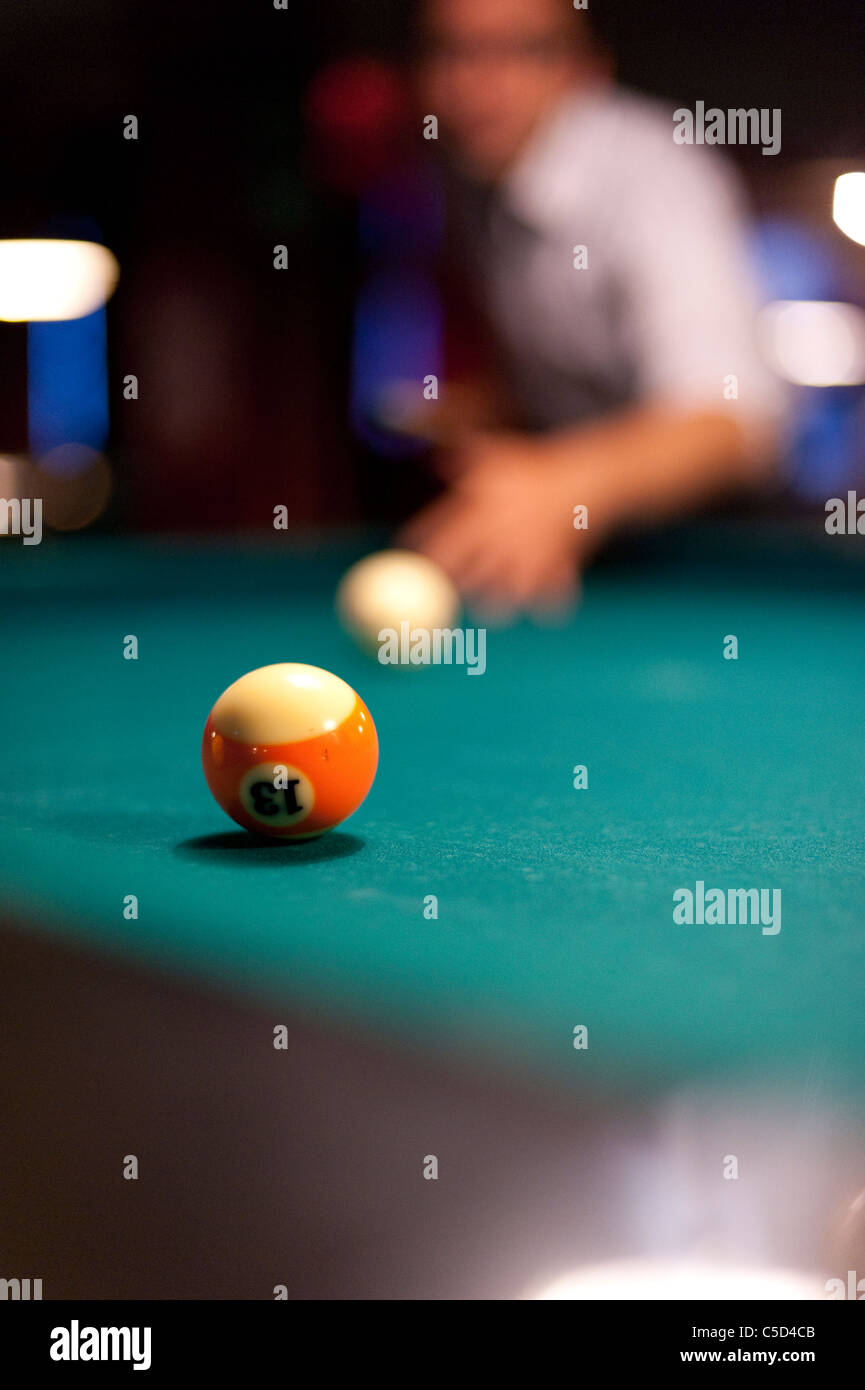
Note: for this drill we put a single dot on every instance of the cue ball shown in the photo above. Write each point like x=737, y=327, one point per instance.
x=391, y=587
x=289, y=751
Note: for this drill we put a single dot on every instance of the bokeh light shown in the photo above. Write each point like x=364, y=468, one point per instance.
x=682, y=1279
x=848, y=206
x=10, y=472
x=75, y=485
x=48, y=280
x=814, y=343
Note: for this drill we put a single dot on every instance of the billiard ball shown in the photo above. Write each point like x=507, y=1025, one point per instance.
x=289, y=751
x=392, y=587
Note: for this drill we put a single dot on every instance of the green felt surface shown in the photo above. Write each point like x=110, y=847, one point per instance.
x=555, y=905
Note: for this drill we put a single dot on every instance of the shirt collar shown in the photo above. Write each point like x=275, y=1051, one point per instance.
x=539, y=188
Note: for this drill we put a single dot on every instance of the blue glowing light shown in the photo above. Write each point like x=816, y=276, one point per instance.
x=68, y=383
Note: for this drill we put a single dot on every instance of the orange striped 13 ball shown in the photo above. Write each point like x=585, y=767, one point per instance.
x=289, y=751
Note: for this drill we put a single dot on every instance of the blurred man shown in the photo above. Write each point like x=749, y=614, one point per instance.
x=633, y=372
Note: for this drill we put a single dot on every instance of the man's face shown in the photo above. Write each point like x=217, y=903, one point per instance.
x=490, y=70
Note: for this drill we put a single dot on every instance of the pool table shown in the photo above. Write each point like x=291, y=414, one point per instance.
x=411, y=1034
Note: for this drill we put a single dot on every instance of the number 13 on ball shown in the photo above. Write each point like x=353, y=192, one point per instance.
x=289, y=751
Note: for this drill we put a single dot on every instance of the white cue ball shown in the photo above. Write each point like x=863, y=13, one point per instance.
x=391, y=587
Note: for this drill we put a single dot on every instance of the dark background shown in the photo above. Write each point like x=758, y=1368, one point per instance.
x=244, y=371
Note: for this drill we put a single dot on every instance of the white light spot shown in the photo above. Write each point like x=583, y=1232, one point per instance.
x=848, y=206
x=681, y=1279
x=47, y=280
x=815, y=343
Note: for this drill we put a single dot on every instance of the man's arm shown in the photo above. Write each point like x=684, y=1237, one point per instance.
x=505, y=529
x=654, y=462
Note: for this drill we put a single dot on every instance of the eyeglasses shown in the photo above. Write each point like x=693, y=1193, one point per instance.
x=535, y=49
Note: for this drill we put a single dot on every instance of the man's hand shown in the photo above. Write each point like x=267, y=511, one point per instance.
x=504, y=530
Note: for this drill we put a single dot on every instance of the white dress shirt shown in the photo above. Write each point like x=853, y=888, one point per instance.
x=665, y=310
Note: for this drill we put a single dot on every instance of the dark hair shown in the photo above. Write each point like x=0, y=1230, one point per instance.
x=413, y=36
